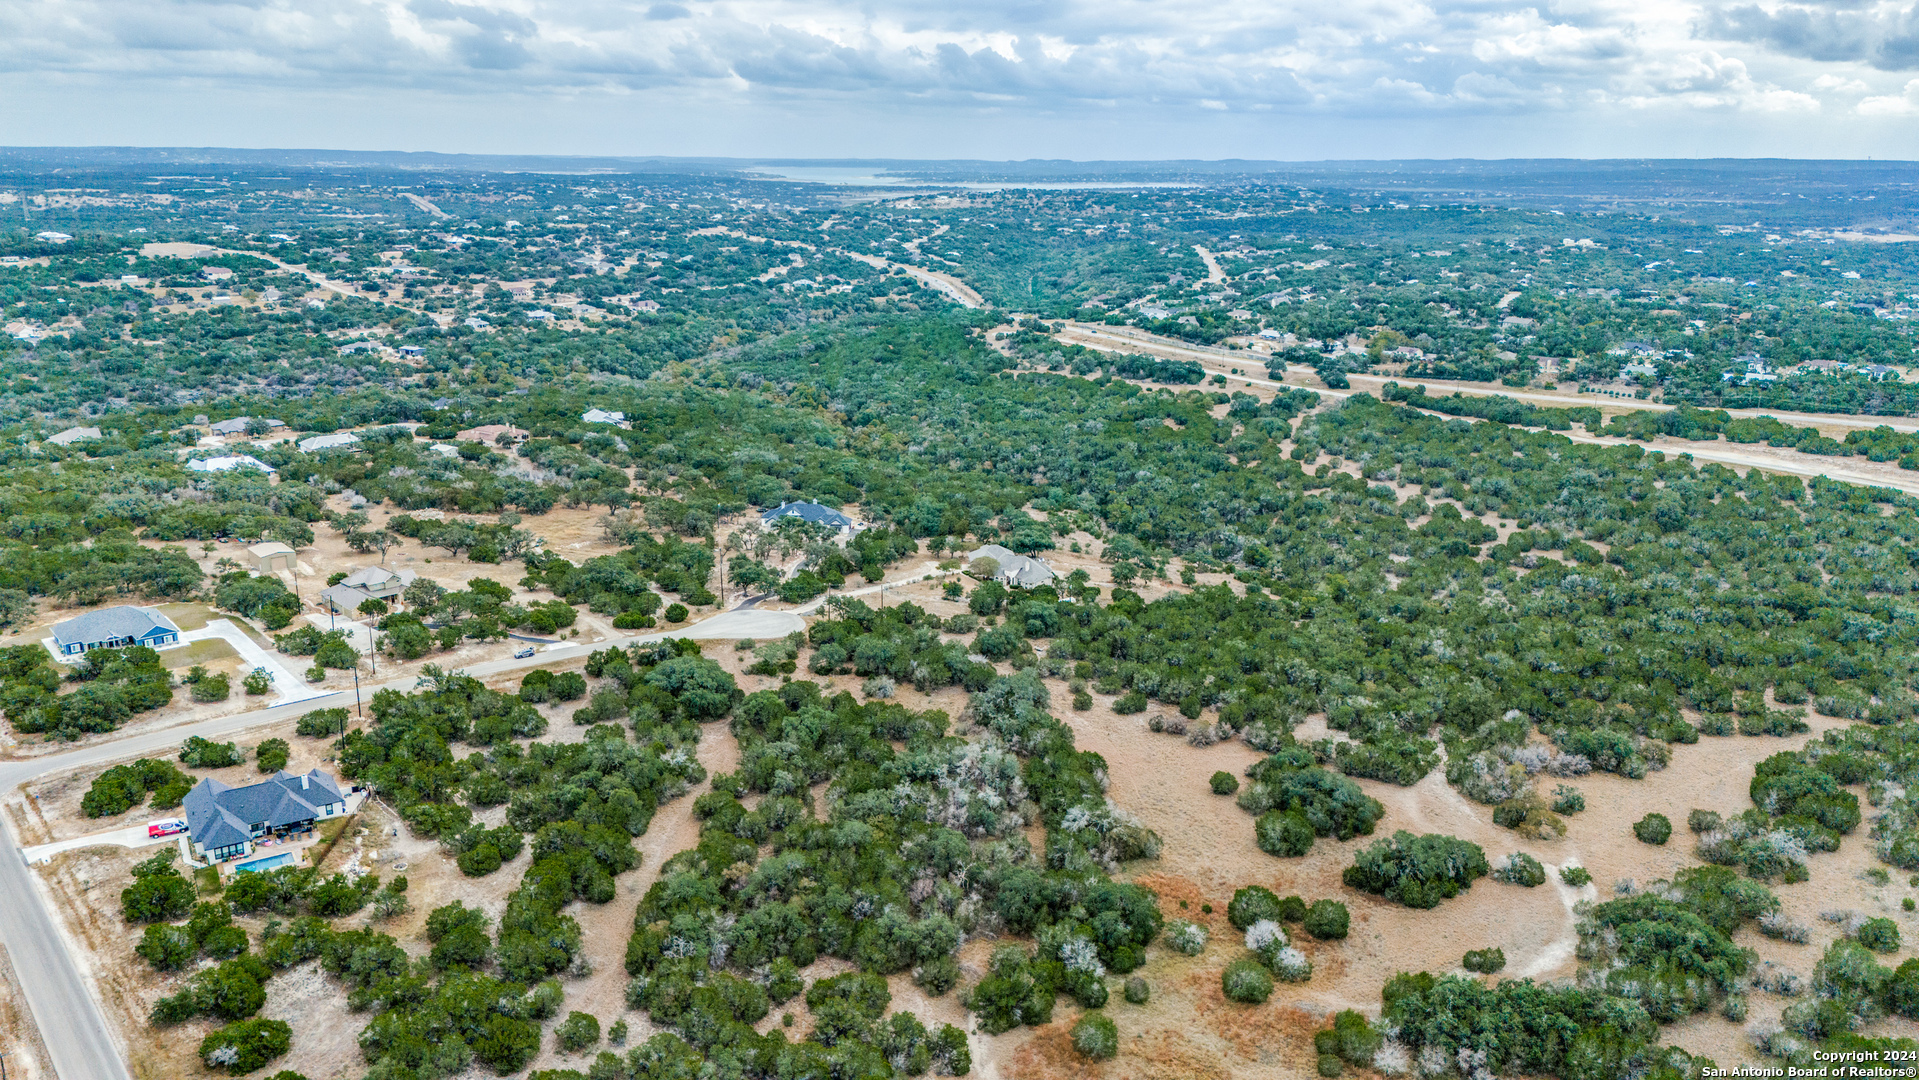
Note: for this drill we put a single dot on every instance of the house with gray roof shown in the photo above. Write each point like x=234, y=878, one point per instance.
x=810, y=512
x=1019, y=571
x=226, y=822
x=238, y=425
x=371, y=583
x=329, y=442
x=73, y=435
x=113, y=628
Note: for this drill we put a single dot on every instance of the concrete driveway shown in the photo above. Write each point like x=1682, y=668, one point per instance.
x=288, y=688
x=126, y=836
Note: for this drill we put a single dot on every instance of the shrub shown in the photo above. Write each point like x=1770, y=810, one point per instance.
x=1485, y=961
x=1251, y=904
x=1285, y=833
x=167, y=947
x=1330, y=1065
x=1096, y=1037
x=935, y=976
x=1225, y=783
x=1351, y=1039
x=158, y=892
x=1568, y=799
x=257, y=682
x=246, y=1046
x=322, y=723
x=1653, y=829
x=212, y=687
x=1417, y=871
x=1575, y=875
x=577, y=1032
x=1521, y=869
x=199, y=753
x=272, y=755
x=1186, y=938
x=675, y=613
x=1246, y=981
x=1130, y=702
x=1881, y=935
x=1292, y=909
x=124, y=787
x=1702, y=821
x=1137, y=992
x=1327, y=920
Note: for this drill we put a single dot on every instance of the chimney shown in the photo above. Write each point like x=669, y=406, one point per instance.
x=304, y=782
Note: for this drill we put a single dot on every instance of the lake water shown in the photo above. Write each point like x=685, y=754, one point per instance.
x=857, y=176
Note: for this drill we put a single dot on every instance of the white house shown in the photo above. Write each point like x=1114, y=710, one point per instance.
x=73, y=435
x=1020, y=571
x=228, y=463
x=328, y=442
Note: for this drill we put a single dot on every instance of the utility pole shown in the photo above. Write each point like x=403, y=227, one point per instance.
x=356, y=692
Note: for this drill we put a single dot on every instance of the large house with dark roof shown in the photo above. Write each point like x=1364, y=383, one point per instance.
x=112, y=628
x=224, y=822
x=809, y=512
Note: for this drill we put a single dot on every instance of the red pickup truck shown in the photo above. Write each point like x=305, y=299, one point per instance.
x=166, y=828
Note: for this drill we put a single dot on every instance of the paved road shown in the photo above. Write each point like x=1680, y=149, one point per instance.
x=80, y=1042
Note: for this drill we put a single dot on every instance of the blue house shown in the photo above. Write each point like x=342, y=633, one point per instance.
x=225, y=822
x=112, y=628
x=807, y=511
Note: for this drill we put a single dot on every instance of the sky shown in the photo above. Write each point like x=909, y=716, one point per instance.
x=992, y=79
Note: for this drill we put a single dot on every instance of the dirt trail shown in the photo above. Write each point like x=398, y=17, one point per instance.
x=606, y=927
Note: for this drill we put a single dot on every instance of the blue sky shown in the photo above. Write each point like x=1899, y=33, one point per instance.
x=1290, y=79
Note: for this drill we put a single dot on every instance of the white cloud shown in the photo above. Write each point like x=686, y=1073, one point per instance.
x=657, y=62
x=1905, y=104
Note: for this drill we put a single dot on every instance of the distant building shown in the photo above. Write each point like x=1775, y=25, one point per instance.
x=239, y=424
x=474, y=322
x=490, y=434
x=412, y=352
x=73, y=435
x=112, y=628
x=328, y=442
x=51, y=237
x=1269, y=334
x=1019, y=571
x=271, y=555
x=1640, y=368
x=539, y=315
x=228, y=463
x=225, y=822
x=602, y=416
x=810, y=512
x=215, y=273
